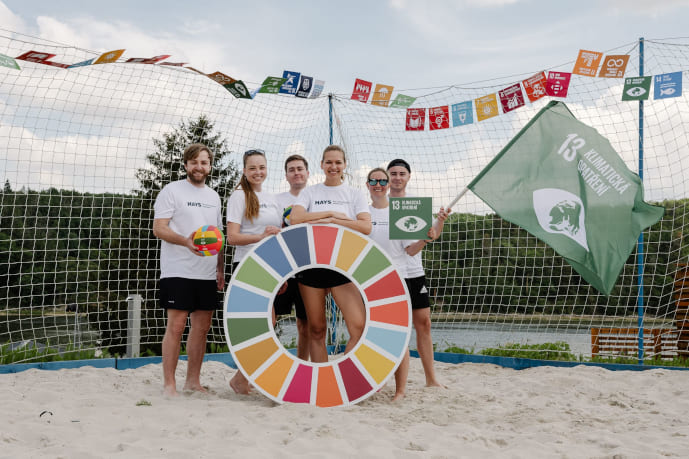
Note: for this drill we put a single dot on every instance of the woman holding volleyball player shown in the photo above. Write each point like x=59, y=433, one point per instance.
x=252, y=215
x=332, y=201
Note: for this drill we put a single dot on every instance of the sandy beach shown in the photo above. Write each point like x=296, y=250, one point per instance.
x=486, y=411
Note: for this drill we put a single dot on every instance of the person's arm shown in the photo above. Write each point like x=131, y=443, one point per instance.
x=162, y=230
x=362, y=223
x=300, y=215
x=220, y=269
x=220, y=265
x=235, y=237
x=437, y=228
x=416, y=247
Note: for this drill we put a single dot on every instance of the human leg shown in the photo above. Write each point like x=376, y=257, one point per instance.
x=424, y=343
x=240, y=384
x=348, y=299
x=314, y=303
x=196, y=348
x=303, y=341
x=401, y=375
x=176, y=321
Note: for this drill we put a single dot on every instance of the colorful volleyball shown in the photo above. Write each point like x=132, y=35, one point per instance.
x=285, y=216
x=209, y=240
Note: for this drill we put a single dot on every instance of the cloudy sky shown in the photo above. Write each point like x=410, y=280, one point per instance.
x=448, y=51
x=404, y=43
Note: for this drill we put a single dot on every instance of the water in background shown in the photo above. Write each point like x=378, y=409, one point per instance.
x=476, y=337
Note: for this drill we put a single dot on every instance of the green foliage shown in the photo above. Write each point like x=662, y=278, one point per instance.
x=165, y=163
x=47, y=354
x=546, y=351
x=457, y=350
x=561, y=351
x=215, y=348
x=488, y=265
x=63, y=247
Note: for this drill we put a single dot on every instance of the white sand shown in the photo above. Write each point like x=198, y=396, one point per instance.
x=487, y=411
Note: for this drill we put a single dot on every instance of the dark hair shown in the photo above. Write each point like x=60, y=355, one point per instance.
x=193, y=150
x=378, y=169
x=399, y=162
x=250, y=199
x=296, y=158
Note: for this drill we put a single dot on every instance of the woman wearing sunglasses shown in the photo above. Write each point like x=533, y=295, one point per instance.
x=332, y=201
x=378, y=183
x=252, y=214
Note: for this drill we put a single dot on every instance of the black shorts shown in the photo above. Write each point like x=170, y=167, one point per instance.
x=283, y=303
x=188, y=294
x=418, y=292
x=322, y=278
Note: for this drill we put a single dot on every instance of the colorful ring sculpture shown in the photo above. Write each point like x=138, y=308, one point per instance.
x=259, y=354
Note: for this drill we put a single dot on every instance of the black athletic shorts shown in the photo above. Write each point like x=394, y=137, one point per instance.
x=322, y=278
x=188, y=294
x=283, y=303
x=418, y=292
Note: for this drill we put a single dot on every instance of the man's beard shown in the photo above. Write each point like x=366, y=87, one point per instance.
x=196, y=181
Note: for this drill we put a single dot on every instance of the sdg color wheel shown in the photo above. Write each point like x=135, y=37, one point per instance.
x=259, y=354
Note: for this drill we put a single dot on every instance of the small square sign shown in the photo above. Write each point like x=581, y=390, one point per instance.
x=410, y=218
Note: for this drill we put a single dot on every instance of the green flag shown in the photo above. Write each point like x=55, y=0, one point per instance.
x=560, y=180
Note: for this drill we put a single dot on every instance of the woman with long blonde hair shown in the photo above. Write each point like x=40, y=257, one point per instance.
x=252, y=215
x=332, y=201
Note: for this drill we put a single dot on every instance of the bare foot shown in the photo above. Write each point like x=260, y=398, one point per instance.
x=239, y=384
x=398, y=396
x=196, y=388
x=170, y=391
x=435, y=383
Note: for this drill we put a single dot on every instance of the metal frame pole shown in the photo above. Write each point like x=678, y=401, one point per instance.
x=640, y=242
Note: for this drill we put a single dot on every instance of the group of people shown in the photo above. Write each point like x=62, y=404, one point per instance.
x=189, y=280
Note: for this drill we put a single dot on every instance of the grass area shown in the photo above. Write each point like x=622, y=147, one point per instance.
x=557, y=351
x=561, y=351
x=565, y=320
x=48, y=353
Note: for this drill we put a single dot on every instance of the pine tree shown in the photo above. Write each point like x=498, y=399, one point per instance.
x=165, y=163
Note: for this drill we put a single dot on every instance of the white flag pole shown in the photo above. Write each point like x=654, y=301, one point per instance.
x=454, y=201
x=457, y=198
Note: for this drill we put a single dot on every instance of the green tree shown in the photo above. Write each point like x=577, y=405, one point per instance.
x=165, y=166
x=165, y=163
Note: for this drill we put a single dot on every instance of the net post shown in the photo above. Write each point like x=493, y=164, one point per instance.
x=133, y=325
x=330, y=117
x=640, y=243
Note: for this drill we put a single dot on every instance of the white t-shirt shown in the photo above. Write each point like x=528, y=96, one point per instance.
x=268, y=214
x=341, y=198
x=285, y=200
x=381, y=234
x=414, y=265
x=188, y=207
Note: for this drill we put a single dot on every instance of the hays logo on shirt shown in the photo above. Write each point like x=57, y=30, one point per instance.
x=199, y=204
x=330, y=202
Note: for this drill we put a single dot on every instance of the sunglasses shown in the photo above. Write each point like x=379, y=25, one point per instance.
x=254, y=152
x=374, y=182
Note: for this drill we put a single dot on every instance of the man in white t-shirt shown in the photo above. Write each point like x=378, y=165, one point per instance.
x=189, y=281
x=400, y=173
x=297, y=174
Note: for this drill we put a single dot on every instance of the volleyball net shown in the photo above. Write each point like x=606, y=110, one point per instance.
x=87, y=148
